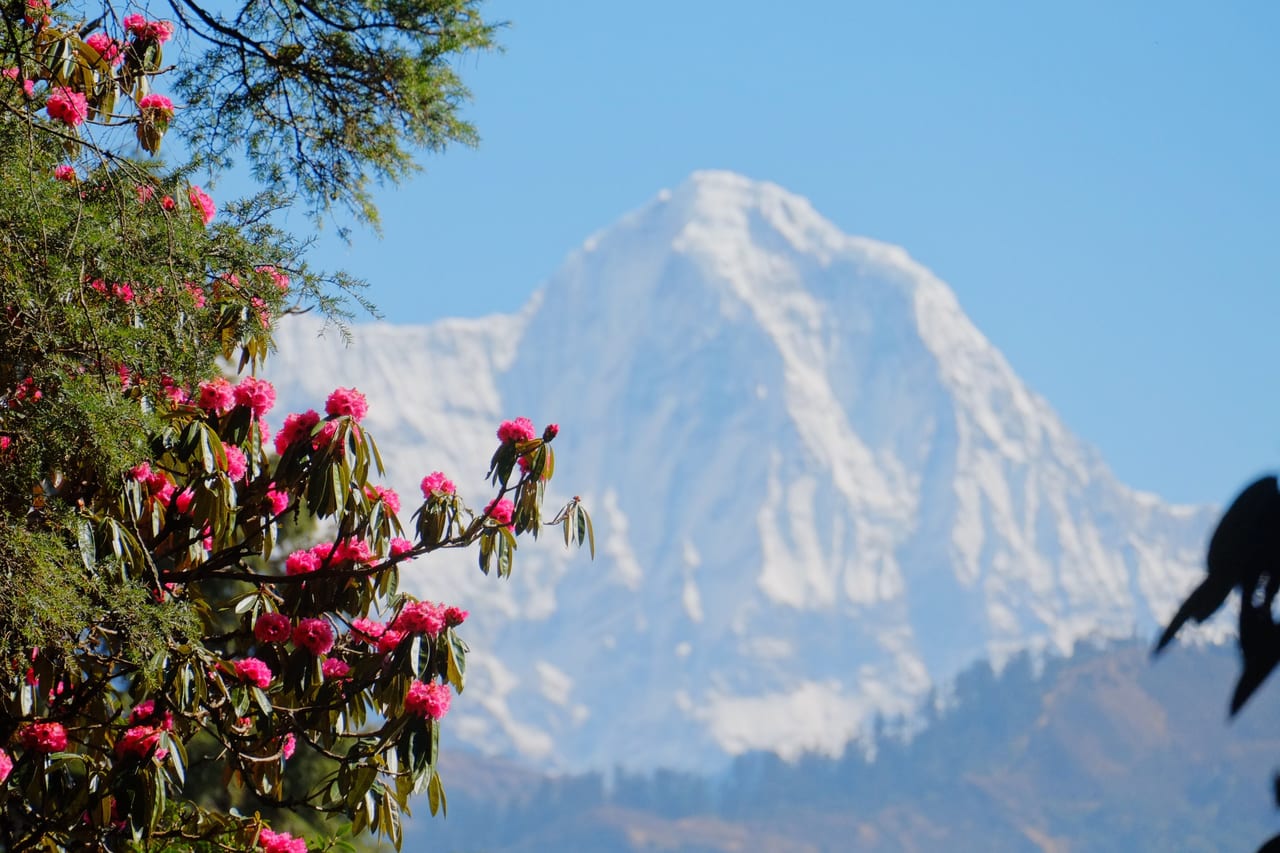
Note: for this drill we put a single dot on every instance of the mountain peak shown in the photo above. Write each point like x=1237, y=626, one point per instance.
x=818, y=489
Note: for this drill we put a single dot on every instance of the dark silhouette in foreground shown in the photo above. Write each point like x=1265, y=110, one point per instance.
x=1244, y=555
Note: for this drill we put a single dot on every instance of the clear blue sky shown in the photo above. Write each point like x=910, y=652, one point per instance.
x=1098, y=181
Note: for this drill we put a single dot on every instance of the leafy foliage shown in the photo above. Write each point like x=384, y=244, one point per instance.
x=156, y=642
x=1244, y=557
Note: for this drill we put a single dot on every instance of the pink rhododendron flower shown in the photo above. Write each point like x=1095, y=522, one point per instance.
x=65, y=173
x=43, y=737
x=324, y=438
x=107, y=47
x=455, y=616
x=389, y=640
x=500, y=510
x=67, y=106
x=202, y=204
x=384, y=494
x=314, y=635
x=296, y=428
x=420, y=617
x=436, y=482
x=254, y=671
x=257, y=395
x=169, y=204
x=144, y=30
x=142, y=711
x=139, y=741
x=347, y=401
x=145, y=193
x=156, y=103
x=354, y=550
x=273, y=628
x=367, y=630
x=279, y=500
x=173, y=392
x=216, y=396
x=6, y=766
x=37, y=13
x=237, y=464
x=400, y=546
x=428, y=700
x=520, y=429
x=28, y=86
x=335, y=668
x=183, y=500
x=280, y=279
x=288, y=745
x=301, y=563
x=280, y=842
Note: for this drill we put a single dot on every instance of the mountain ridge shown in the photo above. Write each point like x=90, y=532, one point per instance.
x=819, y=489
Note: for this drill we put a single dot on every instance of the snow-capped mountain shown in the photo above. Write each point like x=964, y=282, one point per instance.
x=817, y=489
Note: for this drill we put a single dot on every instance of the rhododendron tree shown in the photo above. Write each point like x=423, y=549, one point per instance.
x=196, y=609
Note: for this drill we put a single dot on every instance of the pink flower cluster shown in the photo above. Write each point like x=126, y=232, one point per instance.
x=107, y=47
x=435, y=484
x=297, y=427
x=157, y=483
x=420, y=617
x=280, y=842
x=279, y=500
x=500, y=510
x=335, y=668
x=520, y=429
x=254, y=671
x=145, y=712
x=28, y=86
x=218, y=396
x=280, y=279
x=237, y=463
x=37, y=12
x=256, y=395
x=376, y=634
x=387, y=495
x=314, y=635
x=428, y=699
x=67, y=106
x=43, y=737
x=140, y=742
x=65, y=173
x=26, y=390
x=347, y=401
x=202, y=204
x=144, y=30
x=346, y=551
x=156, y=104
x=6, y=766
x=273, y=628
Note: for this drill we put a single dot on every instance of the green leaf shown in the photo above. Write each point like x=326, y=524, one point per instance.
x=456, y=666
x=435, y=795
x=84, y=538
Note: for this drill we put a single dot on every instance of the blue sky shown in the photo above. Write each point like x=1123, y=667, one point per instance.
x=1099, y=183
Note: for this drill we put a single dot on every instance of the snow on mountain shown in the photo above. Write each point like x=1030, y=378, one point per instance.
x=818, y=489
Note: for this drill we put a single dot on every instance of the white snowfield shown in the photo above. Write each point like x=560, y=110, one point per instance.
x=817, y=489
